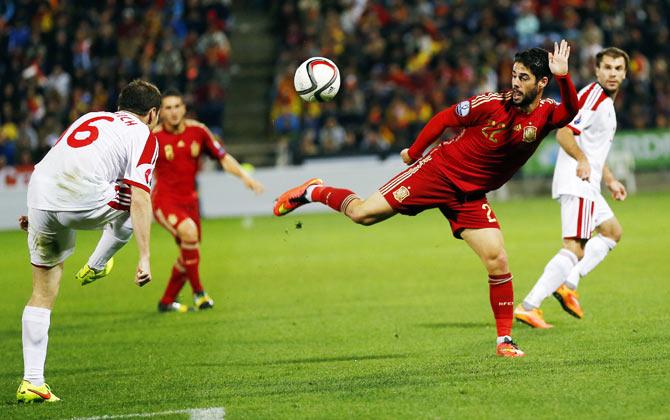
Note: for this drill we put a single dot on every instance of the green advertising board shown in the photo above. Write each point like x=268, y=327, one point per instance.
x=648, y=149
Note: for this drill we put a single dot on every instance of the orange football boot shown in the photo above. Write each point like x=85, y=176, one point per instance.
x=508, y=348
x=569, y=300
x=534, y=317
x=293, y=198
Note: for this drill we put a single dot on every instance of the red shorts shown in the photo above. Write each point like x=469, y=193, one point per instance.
x=170, y=214
x=423, y=186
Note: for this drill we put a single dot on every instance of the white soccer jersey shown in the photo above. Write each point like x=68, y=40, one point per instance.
x=594, y=127
x=83, y=170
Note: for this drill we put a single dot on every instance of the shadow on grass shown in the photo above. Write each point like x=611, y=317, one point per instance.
x=462, y=325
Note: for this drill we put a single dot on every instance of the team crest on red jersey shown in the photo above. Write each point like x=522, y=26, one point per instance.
x=401, y=194
x=529, y=134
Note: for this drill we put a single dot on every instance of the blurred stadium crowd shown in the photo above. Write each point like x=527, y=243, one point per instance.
x=402, y=61
x=61, y=59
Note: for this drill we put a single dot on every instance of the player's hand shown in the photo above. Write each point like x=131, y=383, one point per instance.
x=583, y=169
x=558, y=61
x=618, y=190
x=23, y=223
x=404, y=154
x=143, y=273
x=254, y=185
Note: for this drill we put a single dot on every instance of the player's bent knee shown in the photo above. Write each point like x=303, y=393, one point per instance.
x=187, y=231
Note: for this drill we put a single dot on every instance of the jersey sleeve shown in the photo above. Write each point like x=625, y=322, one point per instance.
x=213, y=147
x=462, y=114
x=143, y=155
x=567, y=110
x=582, y=121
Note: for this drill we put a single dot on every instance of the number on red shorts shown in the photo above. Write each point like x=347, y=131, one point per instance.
x=489, y=210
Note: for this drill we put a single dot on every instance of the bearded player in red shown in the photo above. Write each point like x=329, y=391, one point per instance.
x=500, y=131
x=175, y=200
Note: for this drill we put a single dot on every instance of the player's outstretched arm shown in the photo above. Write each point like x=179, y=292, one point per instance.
x=231, y=165
x=140, y=215
x=566, y=139
x=614, y=185
x=430, y=133
x=558, y=64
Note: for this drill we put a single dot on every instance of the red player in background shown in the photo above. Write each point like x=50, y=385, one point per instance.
x=181, y=143
x=500, y=131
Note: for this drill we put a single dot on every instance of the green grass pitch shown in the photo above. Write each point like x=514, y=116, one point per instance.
x=333, y=320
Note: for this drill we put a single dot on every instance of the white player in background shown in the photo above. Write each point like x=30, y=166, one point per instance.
x=97, y=176
x=580, y=168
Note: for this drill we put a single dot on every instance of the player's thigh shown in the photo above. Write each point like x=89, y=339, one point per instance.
x=49, y=242
x=577, y=217
x=419, y=187
x=607, y=224
x=371, y=210
x=170, y=216
x=489, y=245
x=468, y=212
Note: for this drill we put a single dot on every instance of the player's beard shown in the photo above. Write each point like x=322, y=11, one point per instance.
x=527, y=98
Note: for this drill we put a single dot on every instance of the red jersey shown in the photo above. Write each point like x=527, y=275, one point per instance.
x=178, y=158
x=497, y=137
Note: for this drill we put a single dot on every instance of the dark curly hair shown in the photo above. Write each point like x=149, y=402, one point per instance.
x=536, y=60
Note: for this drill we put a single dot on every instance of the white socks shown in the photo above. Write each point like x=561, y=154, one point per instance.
x=308, y=192
x=113, y=238
x=595, y=251
x=555, y=273
x=35, y=334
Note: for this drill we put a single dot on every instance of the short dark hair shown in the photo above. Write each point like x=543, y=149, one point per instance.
x=138, y=97
x=172, y=92
x=613, y=52
x=537, y=61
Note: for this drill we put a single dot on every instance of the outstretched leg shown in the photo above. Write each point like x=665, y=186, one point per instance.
x=366, y=212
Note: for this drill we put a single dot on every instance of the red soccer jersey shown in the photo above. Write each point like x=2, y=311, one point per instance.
x=497, y=137
x=178, y=158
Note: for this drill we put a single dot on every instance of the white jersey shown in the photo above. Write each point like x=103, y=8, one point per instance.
x=594, y=127
x=97, y=153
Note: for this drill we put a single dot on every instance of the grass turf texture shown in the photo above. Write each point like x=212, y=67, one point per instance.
x=333, y=320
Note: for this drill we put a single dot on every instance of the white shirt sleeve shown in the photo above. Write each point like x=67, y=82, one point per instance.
x=582, y=121
x=143, y=155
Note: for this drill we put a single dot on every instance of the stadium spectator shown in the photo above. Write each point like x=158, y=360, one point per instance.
x=448, y=50
x=62, y=59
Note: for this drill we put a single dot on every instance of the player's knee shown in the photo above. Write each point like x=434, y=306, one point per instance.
x=124, y=233
x=614, y=233
x=363, y=219
x=496, y=261
x=187, y=231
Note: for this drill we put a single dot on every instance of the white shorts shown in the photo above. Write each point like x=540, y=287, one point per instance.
x=51, y=234
x=580, y=216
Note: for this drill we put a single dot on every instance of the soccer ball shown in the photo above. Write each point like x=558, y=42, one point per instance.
x=317, y=79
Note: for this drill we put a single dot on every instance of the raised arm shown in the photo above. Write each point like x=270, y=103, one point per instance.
x=140, y=216
x=558, y=64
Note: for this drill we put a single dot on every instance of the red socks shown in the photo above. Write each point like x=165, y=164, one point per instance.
x=336, y=198
x=190, y=258
x=501, y=294
x=177, y=280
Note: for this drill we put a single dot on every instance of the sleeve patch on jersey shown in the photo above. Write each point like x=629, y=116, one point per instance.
x=463, y=108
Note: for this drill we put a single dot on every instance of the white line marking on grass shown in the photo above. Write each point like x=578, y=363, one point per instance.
x=214, y=413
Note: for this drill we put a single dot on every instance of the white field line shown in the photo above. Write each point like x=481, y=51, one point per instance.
x=214, y=413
